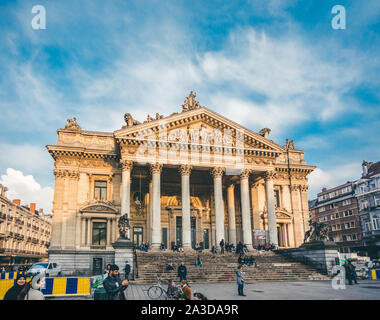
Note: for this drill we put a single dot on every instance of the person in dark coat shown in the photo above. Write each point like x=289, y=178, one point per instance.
x=221, y=243
x=127, y=270
x=113, y=284
x=352, y=271
x=14, y=292
x=348, y=273
x=182, y=272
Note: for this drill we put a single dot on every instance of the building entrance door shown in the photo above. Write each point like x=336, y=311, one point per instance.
x=206, y=239
x=97, y=265
x=137, y=235
x=178, y=231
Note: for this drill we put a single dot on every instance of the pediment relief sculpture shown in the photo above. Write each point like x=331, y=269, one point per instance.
x=99, y=206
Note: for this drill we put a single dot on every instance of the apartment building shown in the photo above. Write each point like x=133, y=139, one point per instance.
x=367, y=191
x=338, y=208
x=24, y=231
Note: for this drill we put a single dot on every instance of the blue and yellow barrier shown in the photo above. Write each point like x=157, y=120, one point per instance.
x=55, y=287
x=9, y=275
x=375, y=274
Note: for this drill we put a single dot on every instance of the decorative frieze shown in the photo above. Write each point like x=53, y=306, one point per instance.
x=62, y=173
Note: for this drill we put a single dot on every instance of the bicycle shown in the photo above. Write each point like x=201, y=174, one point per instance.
x=157, y=290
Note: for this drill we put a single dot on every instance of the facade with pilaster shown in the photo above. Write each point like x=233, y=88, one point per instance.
x=191, y=178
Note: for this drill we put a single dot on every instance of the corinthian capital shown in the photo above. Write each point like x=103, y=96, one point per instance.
x=270, y=175
x=217, y=172
x=304, y=188
x=126, y=164
x=156, y=168
x=185, y=169
x=294, y=187
x=245, y=174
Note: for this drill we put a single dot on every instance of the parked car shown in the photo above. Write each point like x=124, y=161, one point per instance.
x=51, y=269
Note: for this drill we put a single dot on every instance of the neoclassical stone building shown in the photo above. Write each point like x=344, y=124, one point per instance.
x=193, y=178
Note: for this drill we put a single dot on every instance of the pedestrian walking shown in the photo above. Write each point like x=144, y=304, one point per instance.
x=348, y=272
x=240, y=280
x=182, y=272
x=198, y=262
x=13, y=293
x=32, y=290
x=113, y=284
x=352, y=270
x=127, y=270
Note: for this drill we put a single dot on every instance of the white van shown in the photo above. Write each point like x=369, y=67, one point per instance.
x=51, y=269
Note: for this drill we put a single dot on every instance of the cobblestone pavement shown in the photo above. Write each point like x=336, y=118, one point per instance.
x=297, y=290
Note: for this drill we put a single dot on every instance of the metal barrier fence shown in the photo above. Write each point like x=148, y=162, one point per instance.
x=55, y=287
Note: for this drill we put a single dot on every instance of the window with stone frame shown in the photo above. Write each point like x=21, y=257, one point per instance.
x=377, y=200
x=375, y=223
x=368, y=226
x=100, y=190
x=99, y=233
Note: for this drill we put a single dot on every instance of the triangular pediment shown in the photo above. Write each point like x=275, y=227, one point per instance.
x=198, y=119
x=98, y=207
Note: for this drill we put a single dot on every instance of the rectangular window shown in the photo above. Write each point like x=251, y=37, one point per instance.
x=322, y=209
x=100, y=190
x=377, y=200
x=375, y=223
x=346, y=202
x=368, y=226
x=99, y=233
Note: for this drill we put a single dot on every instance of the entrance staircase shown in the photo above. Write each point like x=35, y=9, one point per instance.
x=221, y=268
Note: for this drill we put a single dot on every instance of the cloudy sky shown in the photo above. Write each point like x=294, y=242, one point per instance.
x=261, y=63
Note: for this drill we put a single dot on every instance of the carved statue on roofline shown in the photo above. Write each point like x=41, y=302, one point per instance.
x=129, y=120
x=72, y=125
x=289, y=144
x=190, y=103
x=264, y=132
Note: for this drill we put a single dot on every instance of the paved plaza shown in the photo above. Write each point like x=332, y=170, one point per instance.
x=297, y=290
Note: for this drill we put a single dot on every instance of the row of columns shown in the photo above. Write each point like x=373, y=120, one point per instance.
x=217, y=172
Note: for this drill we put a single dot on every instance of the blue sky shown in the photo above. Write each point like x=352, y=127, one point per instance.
x=265, y=63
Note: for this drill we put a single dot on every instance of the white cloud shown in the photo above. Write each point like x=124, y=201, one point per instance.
x=25, y=157
x=27, y=190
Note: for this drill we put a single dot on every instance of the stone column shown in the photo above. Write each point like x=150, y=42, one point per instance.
x=108, y=232
x=88, y=231
x=245, y=208
x=77, y=231
x=272, y=226
x=149, y=237
x=185, y=171
x=231, y=214
x=156, y=210
x=126, y=189
x=218, y=199
x=83, y=221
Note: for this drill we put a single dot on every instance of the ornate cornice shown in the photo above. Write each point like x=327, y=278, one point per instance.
x=155, y=168
x=185, y=169
x=217, y=172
